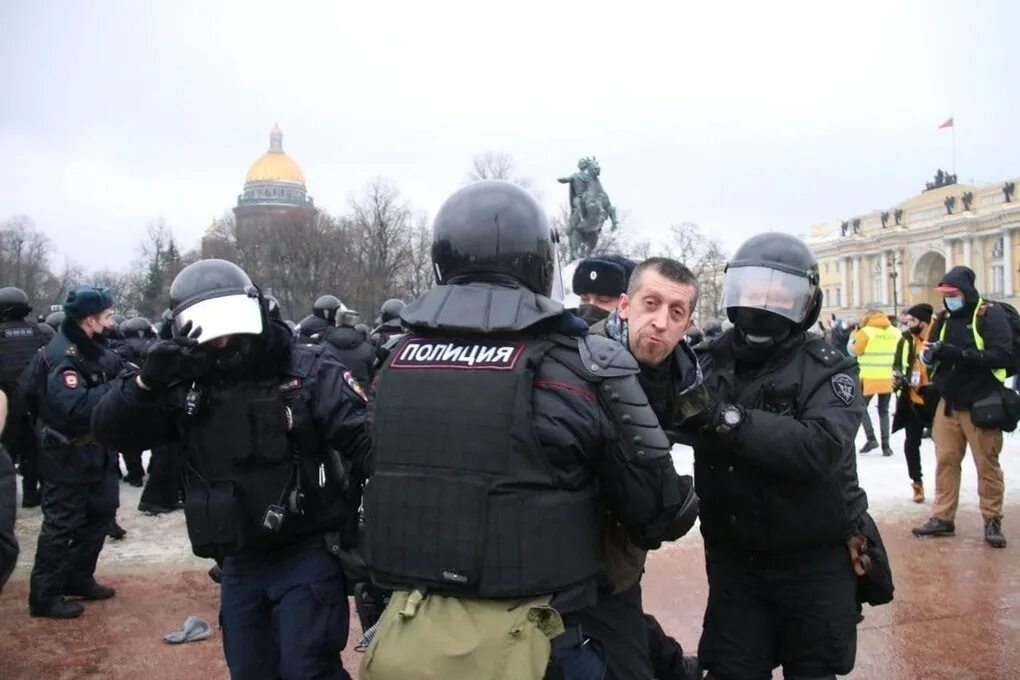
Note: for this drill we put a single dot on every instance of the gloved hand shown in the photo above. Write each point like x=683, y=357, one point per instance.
x=171, y=361
x=947, y=352
x=900, y=381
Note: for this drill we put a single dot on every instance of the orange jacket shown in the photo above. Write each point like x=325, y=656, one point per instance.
x=875, y=357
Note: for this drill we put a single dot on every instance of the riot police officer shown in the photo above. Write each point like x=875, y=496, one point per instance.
x=138, y=334
x=79, y=491
x=20, y=339
x=276, y=439
x=349, y=346
x=777, y=448
x=502, y=431
x=312, y=329
x=388, y=322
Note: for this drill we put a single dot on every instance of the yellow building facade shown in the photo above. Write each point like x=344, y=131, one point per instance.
x=893, y=259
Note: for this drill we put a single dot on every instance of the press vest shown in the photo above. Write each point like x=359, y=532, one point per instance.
x=462, y=499
x=979, y=342
x=877, y=361
x=19, y=341
x=245, y=461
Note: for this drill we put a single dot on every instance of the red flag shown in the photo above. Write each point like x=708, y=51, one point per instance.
x=948, y=123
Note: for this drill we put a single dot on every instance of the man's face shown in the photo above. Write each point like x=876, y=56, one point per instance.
x=97, y=323
x=606, y=302
x=658, y=317
x=914, y=325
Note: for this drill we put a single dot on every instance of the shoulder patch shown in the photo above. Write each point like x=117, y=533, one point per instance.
x=355, y=386
x=424, y=353
x=71, y=380
x=291, y=385
x=72, y=350
x=844, y=387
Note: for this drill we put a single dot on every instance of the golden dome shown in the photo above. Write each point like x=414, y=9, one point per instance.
x=275, y=165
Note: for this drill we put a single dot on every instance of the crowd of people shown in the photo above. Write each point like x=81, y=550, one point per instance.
x=486, y=471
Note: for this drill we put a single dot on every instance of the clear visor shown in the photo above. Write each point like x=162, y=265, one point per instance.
x=220, y=316
x=787, y=295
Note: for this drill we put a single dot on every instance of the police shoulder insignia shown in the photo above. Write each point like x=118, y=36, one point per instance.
x=72, y=350
x=71, y=380
x=844, y=387
x=355, y=386
x=291, y=385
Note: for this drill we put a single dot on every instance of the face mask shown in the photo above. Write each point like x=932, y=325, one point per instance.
x=954, y=304
x=591, y=314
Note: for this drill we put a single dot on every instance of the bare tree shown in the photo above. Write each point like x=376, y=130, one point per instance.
x=380, y=224
x=498, y=165
x=25, y=256
x=418, y=275
x=706, y=258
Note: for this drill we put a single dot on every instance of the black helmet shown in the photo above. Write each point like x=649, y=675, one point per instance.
x=218, y=297
x=13, y=303
x=55, y=319
x=390, y=310
x=46, y=330
x=326, y=307
x=494, y=227
x=363, y=329
x=138, y=327
x=713, y=329
x=695, y=336
x=774, y=273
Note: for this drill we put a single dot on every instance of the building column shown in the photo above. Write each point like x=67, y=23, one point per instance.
x=883, y=265
x=901, y=258
x=949, y=254
x=1007, y=262
x=857, y=282
x=966, y=253
x=844, y=291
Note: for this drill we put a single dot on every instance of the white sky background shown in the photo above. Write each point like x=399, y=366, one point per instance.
x=742, y=117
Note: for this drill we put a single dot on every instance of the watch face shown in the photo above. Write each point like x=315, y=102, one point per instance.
x=731, y=417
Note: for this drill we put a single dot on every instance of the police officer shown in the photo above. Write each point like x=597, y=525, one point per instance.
x=8, y=492
x=388, y=323
x=276, y=438
x=20, y=339
x=55, y=319
x=502, y=429
x=599, y=282
x=137, y=335
x=79, y=492
x=313, y=327
x=777, y=449
x=349, y=346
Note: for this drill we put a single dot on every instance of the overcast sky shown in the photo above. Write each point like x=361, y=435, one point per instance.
x=742, y=117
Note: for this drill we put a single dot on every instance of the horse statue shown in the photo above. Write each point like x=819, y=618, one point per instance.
x=589, y=208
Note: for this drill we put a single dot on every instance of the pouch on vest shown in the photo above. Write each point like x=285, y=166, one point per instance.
x=214, y=517
x=447, y=637
x=876, y=586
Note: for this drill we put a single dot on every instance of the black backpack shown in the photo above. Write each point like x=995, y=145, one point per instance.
x=1013, y=317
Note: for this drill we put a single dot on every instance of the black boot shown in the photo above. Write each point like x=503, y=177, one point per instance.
x=92, y=591
x=993, y=533
x=116, y=532
x=935, y=527
x=55, y=609
x=870, y=446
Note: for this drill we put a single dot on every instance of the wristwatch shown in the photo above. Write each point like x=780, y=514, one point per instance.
x=730, y=418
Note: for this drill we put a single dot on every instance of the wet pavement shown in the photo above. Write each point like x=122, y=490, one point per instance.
x=956, y=614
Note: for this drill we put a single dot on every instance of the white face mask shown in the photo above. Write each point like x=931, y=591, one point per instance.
x=954, y=304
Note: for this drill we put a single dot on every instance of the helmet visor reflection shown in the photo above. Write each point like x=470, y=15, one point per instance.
x=220, y=316
x=787, y=295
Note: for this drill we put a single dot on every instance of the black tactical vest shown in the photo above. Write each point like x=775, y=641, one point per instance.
x=462, y=499
x=19, y=341
x=252, y=483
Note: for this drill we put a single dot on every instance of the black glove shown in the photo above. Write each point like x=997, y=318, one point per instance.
x=171, y=361
x=947, y=352
x=900, y=381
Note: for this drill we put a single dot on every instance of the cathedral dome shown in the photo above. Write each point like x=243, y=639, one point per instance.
x=275, y=165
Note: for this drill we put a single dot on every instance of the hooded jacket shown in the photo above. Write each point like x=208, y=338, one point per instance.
x=348, y=345
x=964, y=380
x=874, y=345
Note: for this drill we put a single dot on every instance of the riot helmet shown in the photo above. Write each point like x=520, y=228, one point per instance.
x=217, y=297
x=363, y=329
x=326, y=307
x=13, y=304
x=137, y=327
x=494, y=227
x=389, y=313
x=46, y=330
x=695, y=336
x=55, y=319
x=771, y=288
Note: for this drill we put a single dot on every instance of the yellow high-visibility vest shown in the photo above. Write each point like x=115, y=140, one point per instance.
x=877, y=361
x=979, y=342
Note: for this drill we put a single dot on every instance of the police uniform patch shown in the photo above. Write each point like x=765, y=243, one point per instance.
x=71, y=381
x=844, y=387
x=355, y=386
x=291, y=385
x=419, y=353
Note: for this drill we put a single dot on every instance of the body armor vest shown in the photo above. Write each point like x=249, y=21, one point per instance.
x=462, y=499
x=19, y=341
x=256, y=475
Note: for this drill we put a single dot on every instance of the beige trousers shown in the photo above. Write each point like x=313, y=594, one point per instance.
x=951, y=435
